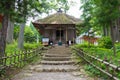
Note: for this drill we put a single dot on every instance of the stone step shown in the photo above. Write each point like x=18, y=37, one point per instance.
x=54, y=68
x=56, y=58
x=57, y=62
x=56, y=55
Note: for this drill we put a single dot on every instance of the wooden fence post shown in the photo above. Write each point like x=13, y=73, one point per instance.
x=15, y=59
x=18, y=58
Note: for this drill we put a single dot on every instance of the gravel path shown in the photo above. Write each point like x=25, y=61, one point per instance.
x=57, y=64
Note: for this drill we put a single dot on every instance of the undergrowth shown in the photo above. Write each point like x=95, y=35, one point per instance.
x=101, y=53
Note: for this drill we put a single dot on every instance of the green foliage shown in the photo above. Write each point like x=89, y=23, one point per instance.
x=92, y=70
x=117, y=47
x=0, y=25
x=2, y=73
x=16, y=31
x=85, y=45
x=101, y=53
x=31, y=46
x=100, y=13
x=29, y=35
x=56, y=4
x=105, y=42
x=11, y=48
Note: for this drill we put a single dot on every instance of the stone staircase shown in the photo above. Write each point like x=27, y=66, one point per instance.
x=57, y=59
x=56, y=64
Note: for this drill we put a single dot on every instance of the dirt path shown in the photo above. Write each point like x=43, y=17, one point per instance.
x=57, y=64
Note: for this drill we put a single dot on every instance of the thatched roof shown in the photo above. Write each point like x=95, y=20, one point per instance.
x=59, y=18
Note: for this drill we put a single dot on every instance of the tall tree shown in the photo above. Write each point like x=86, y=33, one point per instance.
x=21, y=36
x=10, y=32
x=106, y=13
x=24, y=12
x=6, y=9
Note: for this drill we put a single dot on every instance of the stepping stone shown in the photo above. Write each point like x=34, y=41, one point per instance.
x=56, y=55
x=77, y=73
x=57, y=58
x=57, y=62
x=54, y=68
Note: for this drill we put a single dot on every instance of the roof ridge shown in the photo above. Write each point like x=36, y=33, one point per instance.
x=59, y=18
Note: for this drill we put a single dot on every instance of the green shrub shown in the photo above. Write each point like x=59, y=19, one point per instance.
x=32, y=45
x=117, y=47
x=29, y=35
x=105, y=42
x=16, y=31
x=11, y=48
x=84, y=45
x=92, y=69
x=102, y=53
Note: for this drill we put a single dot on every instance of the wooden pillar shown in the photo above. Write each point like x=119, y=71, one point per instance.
x=60, y=33
x=66, y=34
x=53, y=36
x=73, y=40
x=74, y=33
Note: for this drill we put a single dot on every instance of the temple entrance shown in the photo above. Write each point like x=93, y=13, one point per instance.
x=59, y=35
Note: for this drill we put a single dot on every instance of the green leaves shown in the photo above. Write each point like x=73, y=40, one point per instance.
x=105, y=42
x=20, y=10
x=100, y=13
x=0, y=25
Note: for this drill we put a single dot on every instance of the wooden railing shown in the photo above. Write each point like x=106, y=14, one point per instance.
x=18, y=59
x=111, y=70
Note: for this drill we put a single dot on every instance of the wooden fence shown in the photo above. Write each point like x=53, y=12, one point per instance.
x=105, y=67
x=18, y=59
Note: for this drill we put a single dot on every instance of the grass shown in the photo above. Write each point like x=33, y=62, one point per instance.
x=93, y=72
x=12, y=49
x=13, y=71
x=101, y=53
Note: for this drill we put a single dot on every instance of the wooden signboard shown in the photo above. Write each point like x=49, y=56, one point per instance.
x=45, y=41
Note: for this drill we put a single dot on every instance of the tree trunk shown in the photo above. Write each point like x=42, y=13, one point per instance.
x=108, y=30
x=113, y=38
x=3, y=35
x=119, y=29
x=21, y=36
x=105, y=30
x=10, y=31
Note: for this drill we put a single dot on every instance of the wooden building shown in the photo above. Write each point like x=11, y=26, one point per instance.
x=58, y=27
